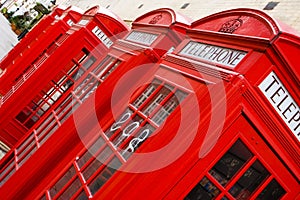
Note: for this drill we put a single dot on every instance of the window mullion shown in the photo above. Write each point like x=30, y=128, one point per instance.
x=75, y=97
x=36, y=138
x=82, y=180
x=56, y=118
x=156, y=91
x=112, y=147
x=262, y=187
x=92, y=158
x=99, y=170
x=122, y=126
x=129, y=138
x=62, y=190
x=48, y=195
x=160, y=105
x=215, y=182
x=109, y=69
x=29, y=116
x=111, y=62
x=239, y=174
x=100, y=65
x=95, y=76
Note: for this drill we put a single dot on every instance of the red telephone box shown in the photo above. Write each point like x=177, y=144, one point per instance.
x=247, y=143
x=204, y=124
x=216, y=118
x=236, y=131
x=47, y=132
x=38, y=114
x=51, y=75
x=40, y=39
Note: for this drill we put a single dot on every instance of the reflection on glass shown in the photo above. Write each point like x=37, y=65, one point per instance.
x=203, y=190
x=104, y=175
x=273, y=191
x=250, y=181
x=62, y=182
x=230, y=163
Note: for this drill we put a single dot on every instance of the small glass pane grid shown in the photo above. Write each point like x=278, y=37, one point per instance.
x=56, y=102
x=237, y=175
x=111, y=149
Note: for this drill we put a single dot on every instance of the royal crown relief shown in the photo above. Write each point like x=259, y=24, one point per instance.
x=231, y=25
x=155, y=19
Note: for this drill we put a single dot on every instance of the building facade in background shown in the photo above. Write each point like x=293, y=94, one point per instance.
x=285, y=11
x=7, y=36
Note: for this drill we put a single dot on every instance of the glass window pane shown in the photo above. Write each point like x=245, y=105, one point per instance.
x=78, y=74
x=103, y=66
x=90, y=170
x=84, y=158
x=28, y=142
x=30, y=122
x=105, y=154
x=145, y=95
x=23, y=115
x=112, y=68
x=155, y=102
x=28, y=148
x=90, y=89
x=165, y=110
x=119, y=122
x=91, y=152
x=203, y=190
x=62, y=182
x=97, y=70
x=230, y=163
x=180, y=95
x=43, y=197
x=104, y=175
x=89, y=62
x=273, y=191
x=137, y=141
x=250, y=180
x=169, y=107
x=94, y=166
x=82, y=196
x=71, y=190
x=128, y=130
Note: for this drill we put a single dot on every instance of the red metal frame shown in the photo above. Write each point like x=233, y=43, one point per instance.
x=217, y=135
x=42, y=38
x=95, y=17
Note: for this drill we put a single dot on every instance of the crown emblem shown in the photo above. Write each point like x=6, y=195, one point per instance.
x=155, y=19
x=231, y=25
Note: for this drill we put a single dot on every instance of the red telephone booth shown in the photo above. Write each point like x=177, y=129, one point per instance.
x=217, y=118
x=57, y=130
x=247, y=143
x=51, y=75
x=38, y=114
x=40, y=39
x=201, y=125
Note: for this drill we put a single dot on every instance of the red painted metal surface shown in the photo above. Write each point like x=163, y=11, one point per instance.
x=47, y=70
x=215, y=117
x=34, y=46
